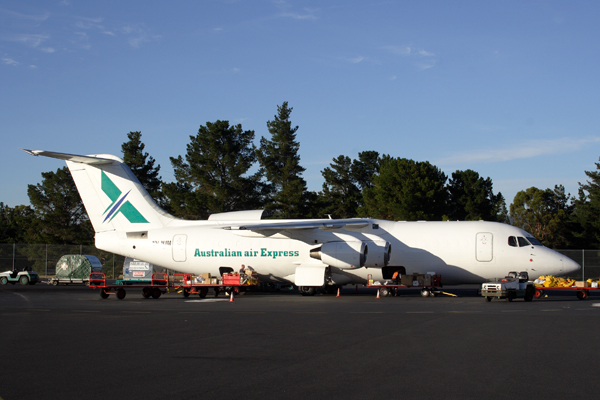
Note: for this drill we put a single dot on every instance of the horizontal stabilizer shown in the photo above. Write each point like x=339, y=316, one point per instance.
x=91, y=160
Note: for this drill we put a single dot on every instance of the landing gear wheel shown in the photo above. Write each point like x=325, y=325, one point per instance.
x=307, y=290
x=203, y=292
x=24, y=280
x=121, y=293
x=583, y=294
x=156, y=293
x=146, y=292
x=425, y=292
x=104, y=294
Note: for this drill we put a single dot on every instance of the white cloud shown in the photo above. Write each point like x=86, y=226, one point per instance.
x=307, y=15
x=31, y=40
x=528, y=149
x=356, y=60
x=398, y=50
x=36, y=18
x=10, y=61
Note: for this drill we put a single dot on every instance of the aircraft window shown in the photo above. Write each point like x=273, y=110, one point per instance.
x=523, y=242
x=534, y=241
x=512, y=241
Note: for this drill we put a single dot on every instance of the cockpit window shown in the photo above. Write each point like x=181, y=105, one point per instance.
x=534, y=241
x=512, y=241
x=523, y=242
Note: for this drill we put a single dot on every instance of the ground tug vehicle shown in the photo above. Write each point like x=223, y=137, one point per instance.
x=510, y=287
x=23, y=277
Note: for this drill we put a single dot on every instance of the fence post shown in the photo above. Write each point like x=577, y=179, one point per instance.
x=583, y=264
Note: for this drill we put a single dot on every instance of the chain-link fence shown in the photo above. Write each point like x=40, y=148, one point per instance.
x=42, y=258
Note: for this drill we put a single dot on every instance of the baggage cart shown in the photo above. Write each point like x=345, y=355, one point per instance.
x=229, y=284
x=428, y=283
x=158, y=285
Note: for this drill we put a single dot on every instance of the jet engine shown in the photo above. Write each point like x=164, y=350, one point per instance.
x=343, y=255
x=380, y=252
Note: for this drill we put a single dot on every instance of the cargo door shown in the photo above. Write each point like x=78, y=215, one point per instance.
x=310, y=276
x=178, y=246
x=484, y=250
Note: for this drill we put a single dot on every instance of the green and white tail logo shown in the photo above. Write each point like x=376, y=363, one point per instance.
x=119, y=204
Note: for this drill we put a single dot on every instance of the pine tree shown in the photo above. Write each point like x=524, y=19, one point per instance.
x=142, y=165
x=214, y=176
x=280, y=161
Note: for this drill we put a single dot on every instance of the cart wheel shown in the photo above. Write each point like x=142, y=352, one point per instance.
x=24, y=280
x=583, y=294
x=121, y=294
x=424, y=292
x=488, y=298
x=55, y=283
x=384, y=292
x=3, y=280
x=529, y=293
x=103, y=294
x=538, y=293
x=186, y=292
x=146, y=292
x=156, y=293
x=203, y=292
x=431, y=293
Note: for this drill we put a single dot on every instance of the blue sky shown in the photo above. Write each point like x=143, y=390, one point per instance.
x=510, y=89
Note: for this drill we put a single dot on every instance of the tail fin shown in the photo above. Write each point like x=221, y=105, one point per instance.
x=113, y=197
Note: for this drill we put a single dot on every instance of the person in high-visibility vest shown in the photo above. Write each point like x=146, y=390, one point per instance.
x=396, y=277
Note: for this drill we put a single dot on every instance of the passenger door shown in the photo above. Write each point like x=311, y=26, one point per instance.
x=179, y=242
x=484, y=247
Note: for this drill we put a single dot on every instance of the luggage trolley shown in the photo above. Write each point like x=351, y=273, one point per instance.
x=158, y=286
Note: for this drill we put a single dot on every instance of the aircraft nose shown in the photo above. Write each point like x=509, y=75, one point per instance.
x=570, y=265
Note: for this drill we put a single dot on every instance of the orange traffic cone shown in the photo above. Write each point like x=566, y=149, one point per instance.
x=378, y=294
x=338, y=294
x=231, y=297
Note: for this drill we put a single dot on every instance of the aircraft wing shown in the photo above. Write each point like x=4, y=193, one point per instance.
x=324, y=225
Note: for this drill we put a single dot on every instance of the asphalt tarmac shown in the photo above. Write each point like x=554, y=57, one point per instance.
x=66, y=342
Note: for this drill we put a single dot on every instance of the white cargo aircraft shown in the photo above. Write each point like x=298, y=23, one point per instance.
x=312, y=254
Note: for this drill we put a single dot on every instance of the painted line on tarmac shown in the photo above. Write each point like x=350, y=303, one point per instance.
x=465, y=312
x=596, y=305
x=85, y=311
x=193, y=312
x=513, y=310
x=136, y=312
x=368, y=312
x=206, y=301
x=552, y=310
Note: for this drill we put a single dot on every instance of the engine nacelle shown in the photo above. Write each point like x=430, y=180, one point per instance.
x=343, y=255
x=380, y=252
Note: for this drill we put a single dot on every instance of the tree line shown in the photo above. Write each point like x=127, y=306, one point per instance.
x=223, y=170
